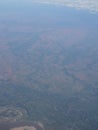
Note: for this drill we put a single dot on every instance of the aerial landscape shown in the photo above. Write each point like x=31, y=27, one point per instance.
x=49, y=65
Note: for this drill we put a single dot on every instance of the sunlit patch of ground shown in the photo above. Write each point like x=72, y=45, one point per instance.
x=11, y=114
x=24, y=128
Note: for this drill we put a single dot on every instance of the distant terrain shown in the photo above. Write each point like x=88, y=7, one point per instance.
x=48, y=67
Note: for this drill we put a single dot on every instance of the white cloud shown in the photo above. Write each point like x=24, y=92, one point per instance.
x=91, y=5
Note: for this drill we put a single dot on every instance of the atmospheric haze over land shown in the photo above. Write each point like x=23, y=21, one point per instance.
x=49, y=64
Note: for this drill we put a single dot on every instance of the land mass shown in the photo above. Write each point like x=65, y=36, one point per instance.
x=48, y=67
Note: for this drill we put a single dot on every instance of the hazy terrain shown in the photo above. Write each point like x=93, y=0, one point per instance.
x=48, y=67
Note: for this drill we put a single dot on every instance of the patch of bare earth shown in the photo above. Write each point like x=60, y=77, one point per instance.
x=24, y=128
